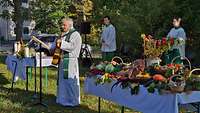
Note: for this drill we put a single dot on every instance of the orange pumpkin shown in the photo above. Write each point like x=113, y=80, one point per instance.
x=159, y=77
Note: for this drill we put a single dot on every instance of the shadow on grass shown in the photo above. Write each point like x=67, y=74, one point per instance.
x=26, y=103
x=3, y=80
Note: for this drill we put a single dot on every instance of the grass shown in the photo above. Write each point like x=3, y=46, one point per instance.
x=21, y=101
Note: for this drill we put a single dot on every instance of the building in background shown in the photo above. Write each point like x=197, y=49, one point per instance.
x=7, y=26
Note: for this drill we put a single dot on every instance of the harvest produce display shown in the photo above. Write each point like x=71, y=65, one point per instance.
x=174, y=77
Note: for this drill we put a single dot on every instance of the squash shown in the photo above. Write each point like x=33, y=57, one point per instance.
x=143, y=75
x=109, y=68
x=101, y=66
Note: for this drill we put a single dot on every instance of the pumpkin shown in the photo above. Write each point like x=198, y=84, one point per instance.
x=159, y=77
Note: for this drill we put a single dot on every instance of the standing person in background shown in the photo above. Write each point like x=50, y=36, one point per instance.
x=68, y=90
x=108, y=40
x=178, y=32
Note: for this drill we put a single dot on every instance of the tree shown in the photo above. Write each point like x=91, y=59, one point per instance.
x=17, y=15
x=18, y=18
x=48, y=13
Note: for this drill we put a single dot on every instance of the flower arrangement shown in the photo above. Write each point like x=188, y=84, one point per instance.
x=154, y=48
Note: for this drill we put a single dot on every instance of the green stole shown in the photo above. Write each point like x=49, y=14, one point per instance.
x=66, y=54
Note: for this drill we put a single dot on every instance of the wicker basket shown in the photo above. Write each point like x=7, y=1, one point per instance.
x=197, y=78
x=176, y=86
x=180, y=85
x=117, y=59
x=183, y=58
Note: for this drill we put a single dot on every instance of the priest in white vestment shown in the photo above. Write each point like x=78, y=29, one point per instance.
x=68, y=90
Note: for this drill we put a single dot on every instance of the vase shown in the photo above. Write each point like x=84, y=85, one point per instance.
x=152, y=61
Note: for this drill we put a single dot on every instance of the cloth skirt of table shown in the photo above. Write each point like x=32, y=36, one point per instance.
x=144, y=101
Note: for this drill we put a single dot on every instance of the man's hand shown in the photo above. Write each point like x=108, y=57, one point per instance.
x=58, y=42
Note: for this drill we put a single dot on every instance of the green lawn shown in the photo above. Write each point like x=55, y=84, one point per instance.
x=21, y=101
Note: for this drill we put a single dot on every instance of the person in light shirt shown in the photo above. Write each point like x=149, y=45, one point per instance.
x=178, y=32
x=108, y=40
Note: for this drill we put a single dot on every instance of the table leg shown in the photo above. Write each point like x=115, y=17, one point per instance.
x=30, y=72
x=122, y=111
x=58, y=73
x=99, y=105
x=26, y=78
x=46, y=76
x=35, y=76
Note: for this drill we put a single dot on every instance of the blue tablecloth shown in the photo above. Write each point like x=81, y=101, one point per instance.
x=23, y=63
x=144, y=101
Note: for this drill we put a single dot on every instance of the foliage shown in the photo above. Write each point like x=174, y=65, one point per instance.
x=48, y=13
x=5, y=14
x=132, y=18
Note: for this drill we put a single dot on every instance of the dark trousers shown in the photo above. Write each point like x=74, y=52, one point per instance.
x=107, y=56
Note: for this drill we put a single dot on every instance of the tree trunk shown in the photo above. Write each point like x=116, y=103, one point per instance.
x=18, y=18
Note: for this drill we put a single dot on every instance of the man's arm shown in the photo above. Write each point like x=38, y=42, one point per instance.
x=70, y=46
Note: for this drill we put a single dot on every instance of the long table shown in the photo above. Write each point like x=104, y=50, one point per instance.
x=144, y=101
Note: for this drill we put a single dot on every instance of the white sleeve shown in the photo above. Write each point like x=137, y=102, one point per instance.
x=75, y=39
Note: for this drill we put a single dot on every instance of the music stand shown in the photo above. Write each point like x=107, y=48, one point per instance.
x=40, y=57
x=40, y=97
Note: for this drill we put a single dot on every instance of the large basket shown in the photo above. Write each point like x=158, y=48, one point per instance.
x=182, y=58
x=180, y=85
